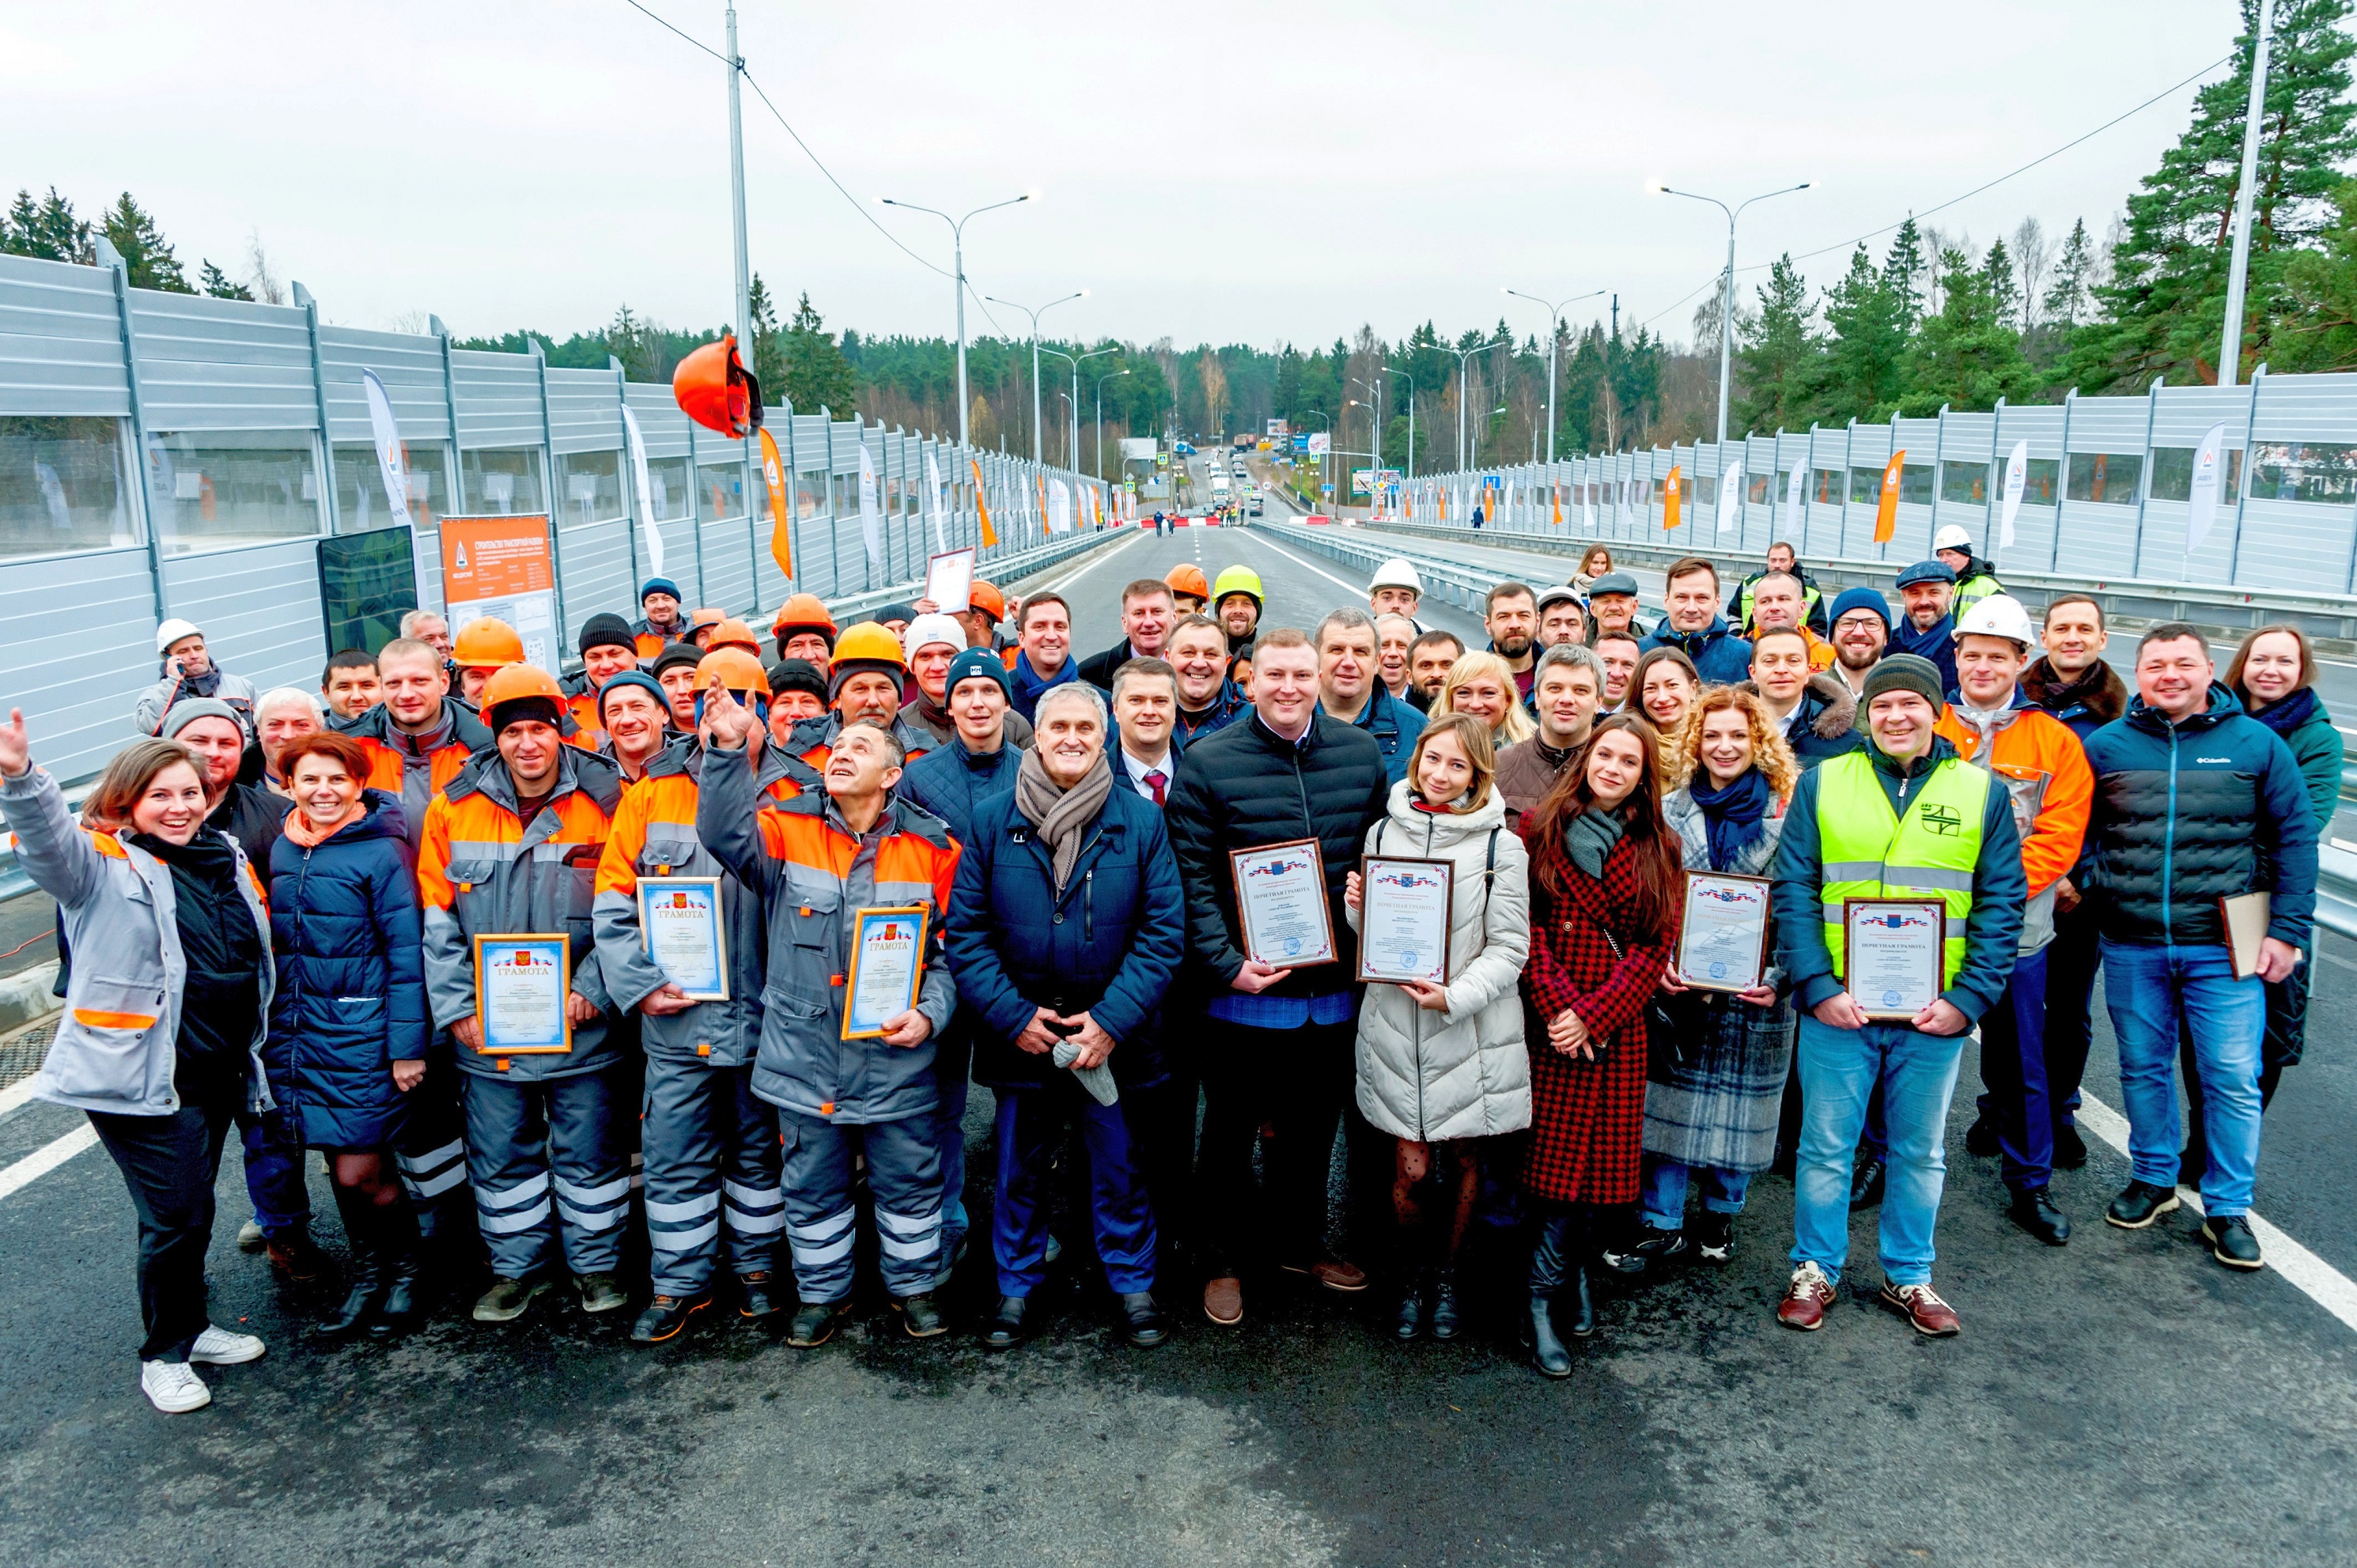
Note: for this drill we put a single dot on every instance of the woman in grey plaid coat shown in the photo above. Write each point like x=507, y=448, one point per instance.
x=1717, y=1060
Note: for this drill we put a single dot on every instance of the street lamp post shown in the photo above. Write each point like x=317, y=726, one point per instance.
x=957, y=243
x=1463, y=355
x=1727, y=302
x=2230, y=353
x=1100, y=382
x=1394, y=369
x=1554, y=335
x=1035, y=315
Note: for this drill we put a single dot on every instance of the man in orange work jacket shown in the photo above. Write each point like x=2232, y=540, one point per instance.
x=713, y=1160
x=1993, y=725
x=819, y=862
x=418, y=735
x=608, y=649
x=512, y=848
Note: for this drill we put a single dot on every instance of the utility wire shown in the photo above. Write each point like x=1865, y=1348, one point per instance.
x=1926, y=212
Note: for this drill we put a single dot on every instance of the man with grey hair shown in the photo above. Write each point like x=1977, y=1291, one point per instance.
x=282, y=715
x=1349, y=689
x=1566, y=691
x=426, y=626
x=1394, y=635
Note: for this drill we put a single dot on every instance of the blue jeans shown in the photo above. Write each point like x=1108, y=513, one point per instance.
x=951, y=1063
x=2013, y=1066
x=274, y=1173
x=1662, y=1191
x=1840, y=1068
x=2147, y=989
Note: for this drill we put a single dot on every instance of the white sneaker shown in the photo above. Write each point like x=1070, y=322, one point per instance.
x=249, y=1237
x=220, y=1347
x=173, y=1386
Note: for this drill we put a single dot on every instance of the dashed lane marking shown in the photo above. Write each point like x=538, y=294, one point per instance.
x=1098, y=559
x=47, y=1158
x=2324, y=1284
x=1289, y=555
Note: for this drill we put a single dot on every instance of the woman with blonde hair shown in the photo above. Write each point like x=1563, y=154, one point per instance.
x=1592, y=565
x=1482, y=684
x=1441, y=1063
x=1717, y=1060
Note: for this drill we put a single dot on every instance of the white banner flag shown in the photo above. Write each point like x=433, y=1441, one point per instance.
x=1730, y=501
x=2201, y=510
x=389, y=463
x=871, y=518
x=649, y=536
x=933, y=503
x=2017, y=477
x=1059, y=507
x=1795, y=492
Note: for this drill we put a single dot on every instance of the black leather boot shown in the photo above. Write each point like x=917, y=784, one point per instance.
x=1407, y=1319
x=1549, y=1264
x=1444, y=1318
x=1580, y=1249
x=365, y=1285
x=404, y=1263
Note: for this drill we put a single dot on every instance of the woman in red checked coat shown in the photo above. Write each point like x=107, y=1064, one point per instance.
x=1605, y=896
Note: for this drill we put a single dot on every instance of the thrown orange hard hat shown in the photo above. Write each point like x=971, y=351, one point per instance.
x=714, y=388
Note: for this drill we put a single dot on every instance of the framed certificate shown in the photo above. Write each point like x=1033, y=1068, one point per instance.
x=887, y=960
x=1723, y=939
x=1891, y=955
x=1281, y=904
x=679, y=922
x=949, y=582
x=1403, y=916
x=520, y=984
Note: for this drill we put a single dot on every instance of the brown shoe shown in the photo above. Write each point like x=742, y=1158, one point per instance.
x=1806, y=1299
x=1333, y=1273
x=1923, y=1308
x=298, y=1261
x=1223, y=1301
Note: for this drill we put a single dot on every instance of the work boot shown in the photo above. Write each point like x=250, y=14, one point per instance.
x=1445, y=1318
x=814, y=1323
x=507, y=1299
x=666, y=1316
x=2139, y=1204
x=756, y=1294
x=599, y=1292
x=920, y=1317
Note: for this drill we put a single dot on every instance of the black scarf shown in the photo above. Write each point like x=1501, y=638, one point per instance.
x=1734, y=817
x=220, y=1001
x=2287, y=715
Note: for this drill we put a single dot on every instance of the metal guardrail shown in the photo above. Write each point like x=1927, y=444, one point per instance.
x=2336, y=892
x=15, y=884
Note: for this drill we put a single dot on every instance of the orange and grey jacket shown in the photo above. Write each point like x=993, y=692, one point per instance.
x=482, y=872
x=418, y=766
x=653, y=835
x=812, y=740
x=814, y=874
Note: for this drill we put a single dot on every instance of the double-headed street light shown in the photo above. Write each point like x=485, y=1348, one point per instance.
x=1037, y=455
x=1727, y=302
x=957, y=241
x=1463, y=355
x=1555, y=334
x=1072, y=452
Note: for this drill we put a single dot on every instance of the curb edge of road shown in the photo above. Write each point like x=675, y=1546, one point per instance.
x=26, y=997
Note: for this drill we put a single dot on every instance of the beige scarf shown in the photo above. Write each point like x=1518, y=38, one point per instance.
x=1059, y=814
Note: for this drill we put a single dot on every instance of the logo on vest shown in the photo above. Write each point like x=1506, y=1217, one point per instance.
x=1945, y=820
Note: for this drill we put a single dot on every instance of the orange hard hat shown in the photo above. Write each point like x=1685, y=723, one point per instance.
x=734, y=667
x=510, y=681
x=714, y=388
x=733, y=633
x=486, y=643
x=803, y=612
x=869, y=640
x=706, y=617
x=1189, y=579
x=986, y=597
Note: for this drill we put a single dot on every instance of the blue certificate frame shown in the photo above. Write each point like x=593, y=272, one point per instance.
x=886, y=944
x=681, y=931
x=514, y=975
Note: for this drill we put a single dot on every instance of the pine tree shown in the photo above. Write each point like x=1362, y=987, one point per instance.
x=2164, y=305
x=1868, y=312
x=2070, y=297
x=1900, y=269
x=219, y=285
x=1777, y=353
x=147, y=258
x=1969, y=354
x=47, y=229
x=816, y=374
x=2322, y=284
x=769, y=350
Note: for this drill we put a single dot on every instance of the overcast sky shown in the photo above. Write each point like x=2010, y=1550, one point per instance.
x=1265, y=172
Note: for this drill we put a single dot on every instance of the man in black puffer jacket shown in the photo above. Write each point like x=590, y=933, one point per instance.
x=2195, y=804
x=1279, y=1043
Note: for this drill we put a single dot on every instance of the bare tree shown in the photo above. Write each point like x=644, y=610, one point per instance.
x=261, y=278
x=2033, y=256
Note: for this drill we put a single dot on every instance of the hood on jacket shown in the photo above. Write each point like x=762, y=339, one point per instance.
x=2106, y=699
x=1827, y=707
x=2224, y=705
x=1445, y=827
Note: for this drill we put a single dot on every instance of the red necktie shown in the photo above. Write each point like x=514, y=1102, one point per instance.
x=1154, y=781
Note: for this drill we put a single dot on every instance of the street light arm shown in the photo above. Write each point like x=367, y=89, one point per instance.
x=1766, y=195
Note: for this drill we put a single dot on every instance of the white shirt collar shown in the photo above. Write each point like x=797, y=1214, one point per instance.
x=1138, y=770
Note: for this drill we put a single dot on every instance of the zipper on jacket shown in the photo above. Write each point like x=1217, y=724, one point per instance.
x=2169, y=846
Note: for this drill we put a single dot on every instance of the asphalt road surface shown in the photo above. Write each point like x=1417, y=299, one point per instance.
x=2120, y=1400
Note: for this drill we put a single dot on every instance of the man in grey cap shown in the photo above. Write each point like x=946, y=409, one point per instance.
x=1928, y=589
x=1562, y=618
x=1613, y=604
x=1904, y=818
x=255, y=817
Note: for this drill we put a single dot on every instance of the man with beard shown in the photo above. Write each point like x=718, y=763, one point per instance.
x=1237, y=600
x=1975, y=578
x=1562, y=618
x=1569, y=690
x=1928, y=589
x=1428, y=660
x=1861, y=632
x=1511, y=616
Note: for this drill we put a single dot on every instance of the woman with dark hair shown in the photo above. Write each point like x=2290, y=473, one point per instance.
x=2273, y=675
x=1663, y=688
x=350, y=1028
x=160, y=1040
x=1605, y=884
x=1592, y=565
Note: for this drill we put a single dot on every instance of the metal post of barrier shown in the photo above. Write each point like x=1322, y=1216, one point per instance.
x=626, y=480
x=2250, y=474
x=2062, y=488
x=548, y=498
x=2144, y=487
x=310, y=308
x=119, y=276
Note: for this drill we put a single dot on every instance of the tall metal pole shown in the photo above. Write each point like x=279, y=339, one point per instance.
x=737, y=192
x=1726, y=301
x=964, y=398
x=2229, y=347
x=1037, y=452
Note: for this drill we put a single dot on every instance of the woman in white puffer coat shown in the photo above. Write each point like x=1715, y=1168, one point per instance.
x=1442, y=1066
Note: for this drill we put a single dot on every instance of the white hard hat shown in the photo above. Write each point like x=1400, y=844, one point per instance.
x=171, y=631
x=1953, y=538
x=928, y=629
x=1998, y=615
x=1397, y=572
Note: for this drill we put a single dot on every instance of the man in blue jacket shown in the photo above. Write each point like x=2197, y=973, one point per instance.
x=2196, y=803
x=1066, y=926
x=1928, y=630
x=1693, y=626
x=1349, y=688
x=1906, y=817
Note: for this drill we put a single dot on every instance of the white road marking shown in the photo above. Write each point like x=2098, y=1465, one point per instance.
x=1289, y=555
x=44, y=1160
x=16, y=1094
x=2325, y=1286
x=1098, y=560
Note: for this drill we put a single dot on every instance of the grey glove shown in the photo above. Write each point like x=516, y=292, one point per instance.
x=1097, y=1079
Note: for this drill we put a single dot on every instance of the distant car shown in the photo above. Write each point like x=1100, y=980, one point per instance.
x=1254, y=510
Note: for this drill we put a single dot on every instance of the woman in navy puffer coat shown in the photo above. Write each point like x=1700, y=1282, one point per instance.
x=349, y=1026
